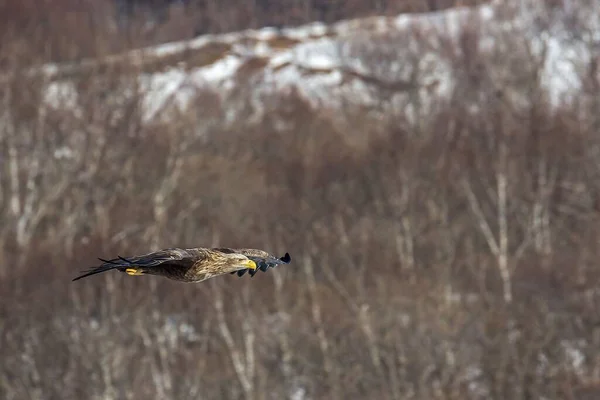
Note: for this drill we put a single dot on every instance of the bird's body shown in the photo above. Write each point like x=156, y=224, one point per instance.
x=192, y=265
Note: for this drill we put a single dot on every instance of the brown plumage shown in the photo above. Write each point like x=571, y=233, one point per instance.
x=192, y=265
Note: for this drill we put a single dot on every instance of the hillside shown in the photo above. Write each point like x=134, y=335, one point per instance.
x=358, y=62
x=433, y=176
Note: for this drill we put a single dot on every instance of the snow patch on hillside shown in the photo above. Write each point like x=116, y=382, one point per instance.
x=359, y=60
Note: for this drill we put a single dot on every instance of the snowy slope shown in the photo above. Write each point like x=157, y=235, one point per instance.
x=360, y=61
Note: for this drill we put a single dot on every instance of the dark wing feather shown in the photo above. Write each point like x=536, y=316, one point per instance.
x=226, y=250
x=176, y=258
x=262, y=259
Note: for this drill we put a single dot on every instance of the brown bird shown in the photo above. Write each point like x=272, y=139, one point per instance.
x=192, y=265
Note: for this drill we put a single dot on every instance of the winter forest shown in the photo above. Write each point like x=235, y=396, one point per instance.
x=432, y=167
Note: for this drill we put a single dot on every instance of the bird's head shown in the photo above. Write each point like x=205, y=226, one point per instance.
x=238, y=262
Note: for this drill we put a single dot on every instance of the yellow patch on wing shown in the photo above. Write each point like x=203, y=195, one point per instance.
x=133, y=271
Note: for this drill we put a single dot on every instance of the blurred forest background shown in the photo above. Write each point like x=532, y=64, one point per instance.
x=451, y=258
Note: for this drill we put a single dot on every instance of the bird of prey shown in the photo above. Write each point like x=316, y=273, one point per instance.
x=192, y=265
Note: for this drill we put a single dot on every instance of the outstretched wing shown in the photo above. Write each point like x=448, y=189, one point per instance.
x=262, y=259
x=173, y=259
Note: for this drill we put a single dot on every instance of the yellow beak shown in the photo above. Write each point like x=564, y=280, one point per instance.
x=250, y=264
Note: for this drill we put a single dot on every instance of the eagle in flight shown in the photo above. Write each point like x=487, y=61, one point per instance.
x=192, y=265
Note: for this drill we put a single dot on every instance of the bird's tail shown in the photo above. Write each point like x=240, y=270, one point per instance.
x=120, y=264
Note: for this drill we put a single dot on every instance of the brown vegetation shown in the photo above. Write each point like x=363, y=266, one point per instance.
x=34, y=31
x=453, y=261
